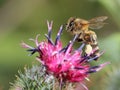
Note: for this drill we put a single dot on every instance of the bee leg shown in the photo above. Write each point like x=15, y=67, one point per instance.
x=96, y=52
x=79, y=39
x=91, y=49
x=89, y=53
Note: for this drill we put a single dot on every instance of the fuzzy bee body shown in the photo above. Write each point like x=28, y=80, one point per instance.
x=82, y=28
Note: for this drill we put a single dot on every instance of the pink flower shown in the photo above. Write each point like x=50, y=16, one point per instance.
x=64, y=63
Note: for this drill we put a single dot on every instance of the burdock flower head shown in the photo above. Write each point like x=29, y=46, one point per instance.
x=66, y=64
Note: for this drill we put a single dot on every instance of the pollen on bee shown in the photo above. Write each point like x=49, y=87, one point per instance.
x=88, y=49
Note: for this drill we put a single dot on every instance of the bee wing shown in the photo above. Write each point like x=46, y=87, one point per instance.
x=97, y=25
x=98, y=22
x=98, y=19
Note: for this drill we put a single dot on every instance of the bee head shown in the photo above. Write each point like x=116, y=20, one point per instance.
x=70, y=24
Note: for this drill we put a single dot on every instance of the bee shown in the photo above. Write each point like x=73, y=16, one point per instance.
x=82, y=28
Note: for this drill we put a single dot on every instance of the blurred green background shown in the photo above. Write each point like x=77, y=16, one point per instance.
x=24, y=19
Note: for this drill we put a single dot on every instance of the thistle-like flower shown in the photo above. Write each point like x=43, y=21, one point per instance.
x=66, y=64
